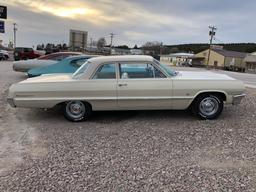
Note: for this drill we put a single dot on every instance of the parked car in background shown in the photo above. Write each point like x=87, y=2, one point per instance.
x=128, y=83
x=4, y=55
x=67, y=65
x=45, y=60
x=24, y=53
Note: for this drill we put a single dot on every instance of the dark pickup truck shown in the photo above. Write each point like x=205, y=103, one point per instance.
x=24, y=53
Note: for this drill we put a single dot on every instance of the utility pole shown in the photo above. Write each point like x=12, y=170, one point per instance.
x=112, y=35
x=14, y=34
x=212, y=33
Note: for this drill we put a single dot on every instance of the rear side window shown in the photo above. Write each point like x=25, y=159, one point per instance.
x=28, y=50
x=18, y=49
x=139, y=71
x=106, y=71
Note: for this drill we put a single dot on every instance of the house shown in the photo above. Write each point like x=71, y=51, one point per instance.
x=136, y=51
x=221, y=59
x=177, y=59
x=119, y=51
x=250, y=63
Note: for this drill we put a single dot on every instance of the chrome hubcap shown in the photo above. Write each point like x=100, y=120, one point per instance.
x=75, y=109
x=209, y=106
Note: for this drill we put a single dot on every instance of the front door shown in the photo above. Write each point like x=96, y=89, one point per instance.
x=143, y=86
x=102, y=87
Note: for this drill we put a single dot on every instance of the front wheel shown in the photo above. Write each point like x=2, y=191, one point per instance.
x=207, y=106
x=77, y=110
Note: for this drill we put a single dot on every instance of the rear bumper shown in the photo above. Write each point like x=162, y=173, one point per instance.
x=11, y=101
x=237, y=99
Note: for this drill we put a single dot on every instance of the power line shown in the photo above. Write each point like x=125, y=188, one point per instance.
x=220, y=41
x=212, y=33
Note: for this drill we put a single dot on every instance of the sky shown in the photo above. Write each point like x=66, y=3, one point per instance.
x=133, y=21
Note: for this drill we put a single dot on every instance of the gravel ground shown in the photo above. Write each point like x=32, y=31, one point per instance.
x=126, y=151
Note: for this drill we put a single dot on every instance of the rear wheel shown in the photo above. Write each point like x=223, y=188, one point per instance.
x=77, y=111
x=207, y=106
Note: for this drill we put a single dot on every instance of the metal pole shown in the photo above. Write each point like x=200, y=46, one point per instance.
x=212, y=34
x=14, y=34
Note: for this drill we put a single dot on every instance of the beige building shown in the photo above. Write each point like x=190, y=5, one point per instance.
x=250, y=63
x=177, y=59
x=221, y=59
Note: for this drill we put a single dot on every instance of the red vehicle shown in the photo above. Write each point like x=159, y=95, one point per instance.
x=58, y=56
x=24, y=53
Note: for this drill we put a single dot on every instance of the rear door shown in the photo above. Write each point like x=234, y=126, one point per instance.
x=142, y=85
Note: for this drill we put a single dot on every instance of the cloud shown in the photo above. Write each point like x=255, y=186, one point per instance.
x=134, y=21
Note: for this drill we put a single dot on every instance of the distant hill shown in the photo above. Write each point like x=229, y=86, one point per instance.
x=196, y=48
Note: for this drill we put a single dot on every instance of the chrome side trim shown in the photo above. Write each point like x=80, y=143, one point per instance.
x=237, y=99
x=97, y=98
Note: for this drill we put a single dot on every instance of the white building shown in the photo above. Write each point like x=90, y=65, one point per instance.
x=177, y=59
x=77, y=39
x=136, y=51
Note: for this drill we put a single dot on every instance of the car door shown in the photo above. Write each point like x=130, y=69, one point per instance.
x=102, y=87
x=143, y=85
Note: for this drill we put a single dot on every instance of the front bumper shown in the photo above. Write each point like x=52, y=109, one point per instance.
x=237, y=99
x=11, y=101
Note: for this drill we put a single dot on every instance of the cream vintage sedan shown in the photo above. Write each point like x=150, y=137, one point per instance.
x=128, y=83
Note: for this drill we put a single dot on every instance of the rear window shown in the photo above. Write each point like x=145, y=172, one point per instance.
x=18, y=49
x=23, y=49
x=78, y=62
x=28, y=50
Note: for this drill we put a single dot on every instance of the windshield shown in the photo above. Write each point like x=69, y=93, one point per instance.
x=166, y=68
x=81, y=70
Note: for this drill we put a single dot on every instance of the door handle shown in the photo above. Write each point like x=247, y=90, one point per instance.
x=122, y=84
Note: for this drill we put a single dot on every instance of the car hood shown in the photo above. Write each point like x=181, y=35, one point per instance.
x=49, y=78
x=202, y=75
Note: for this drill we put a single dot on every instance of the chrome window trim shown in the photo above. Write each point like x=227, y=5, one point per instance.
x=96, y=69
x=140, y=62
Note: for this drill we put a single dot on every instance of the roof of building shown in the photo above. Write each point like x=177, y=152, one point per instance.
x=227, y=53
x=122, y=58
x=179, y=55
x=250, y=58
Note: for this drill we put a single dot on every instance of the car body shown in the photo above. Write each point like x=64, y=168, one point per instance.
x=45, y=60
x=128, y=83
x=24, y=53
x=4, y=55
x=67, y=65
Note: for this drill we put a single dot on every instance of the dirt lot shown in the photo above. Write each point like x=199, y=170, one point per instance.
x=126, y=151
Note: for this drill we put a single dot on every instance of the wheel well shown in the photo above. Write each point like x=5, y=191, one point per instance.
x=221, y=94
x=62, y=103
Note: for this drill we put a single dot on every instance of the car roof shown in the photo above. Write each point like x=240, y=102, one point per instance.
x=121, y=58
x=65, y=53
x=81, y=56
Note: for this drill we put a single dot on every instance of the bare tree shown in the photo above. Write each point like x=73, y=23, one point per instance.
x=152, y=47
x=101, y=43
